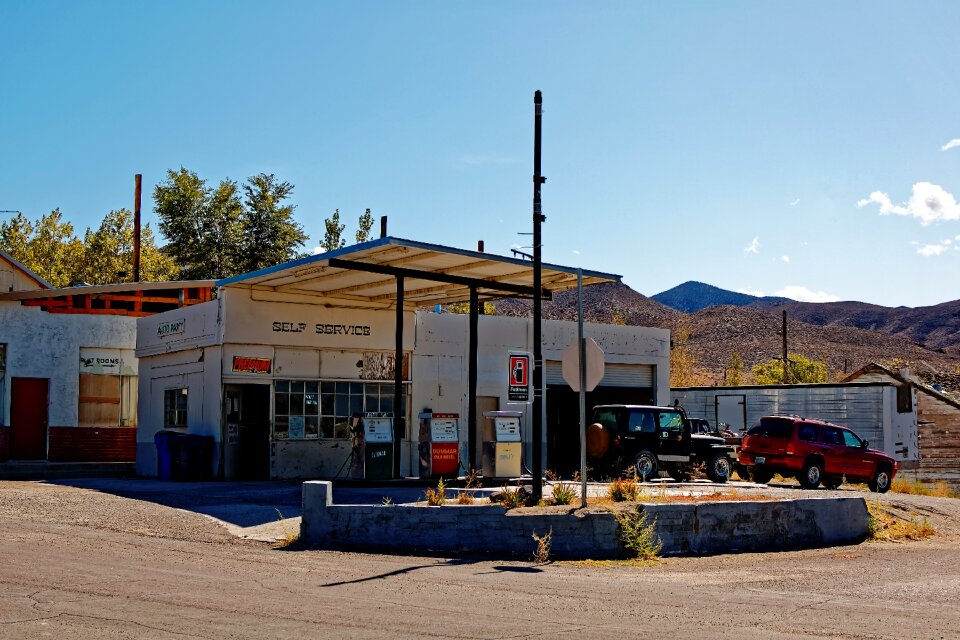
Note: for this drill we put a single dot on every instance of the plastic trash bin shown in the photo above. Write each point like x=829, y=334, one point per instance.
x=166, y=442
x=194, y=458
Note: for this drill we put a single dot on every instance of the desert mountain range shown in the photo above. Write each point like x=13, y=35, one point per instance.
x=846, y=335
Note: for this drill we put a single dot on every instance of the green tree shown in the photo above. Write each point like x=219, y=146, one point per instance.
x=204, y=226
x=333, y=236
x=48, y=247
x=364, y=224
x=270, y=234
x=489, y=309
x=108, y=253
x=802, y=370
x=734, y=373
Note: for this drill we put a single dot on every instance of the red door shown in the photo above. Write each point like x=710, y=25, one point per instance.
x=28, y=418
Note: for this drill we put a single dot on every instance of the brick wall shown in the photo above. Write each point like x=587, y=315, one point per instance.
x=92, y=444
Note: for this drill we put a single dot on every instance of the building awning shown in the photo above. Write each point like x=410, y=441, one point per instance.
x=431, y=274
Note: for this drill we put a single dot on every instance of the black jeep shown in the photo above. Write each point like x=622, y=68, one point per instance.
x=651, y=439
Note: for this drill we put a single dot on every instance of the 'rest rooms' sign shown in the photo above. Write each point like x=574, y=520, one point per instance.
x=312, y=325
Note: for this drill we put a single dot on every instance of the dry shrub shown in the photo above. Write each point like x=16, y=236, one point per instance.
x=541, y=555
x=625, y=490
x=436, y=497
x=563, y=493
x=918, y=488
x=886, y=526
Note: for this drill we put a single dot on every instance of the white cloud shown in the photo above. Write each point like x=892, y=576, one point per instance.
x=795, y=202
x=948, y=241
x=750, y=292
x=576, y=252
x=950, y=145
x=928, y=250
x=929, y=203
x=802, y=294
x=317, y=250
x=753, y=247
x=785, y=258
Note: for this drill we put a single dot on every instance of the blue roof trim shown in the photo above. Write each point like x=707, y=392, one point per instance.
x=29, y=272
x=346, y=251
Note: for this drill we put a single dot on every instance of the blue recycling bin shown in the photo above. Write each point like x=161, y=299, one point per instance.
x=166, y=446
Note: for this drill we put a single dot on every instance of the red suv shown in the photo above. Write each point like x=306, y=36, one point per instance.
x=814, y=451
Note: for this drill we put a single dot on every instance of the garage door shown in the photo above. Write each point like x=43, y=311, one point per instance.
x=614, y=375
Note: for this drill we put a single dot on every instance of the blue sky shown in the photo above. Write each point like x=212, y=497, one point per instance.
x=797, y=148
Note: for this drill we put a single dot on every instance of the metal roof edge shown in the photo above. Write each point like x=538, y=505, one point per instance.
x=105, y=288
x=414, y=244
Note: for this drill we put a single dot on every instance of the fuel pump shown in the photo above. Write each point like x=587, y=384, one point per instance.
x=439, y=444
x=502, y=452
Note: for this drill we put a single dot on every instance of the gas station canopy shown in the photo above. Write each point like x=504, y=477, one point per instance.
x=374, y=273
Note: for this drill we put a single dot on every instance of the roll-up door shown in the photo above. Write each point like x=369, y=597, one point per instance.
x=614, y=375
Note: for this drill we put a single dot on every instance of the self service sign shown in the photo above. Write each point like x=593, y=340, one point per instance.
x=518, y=388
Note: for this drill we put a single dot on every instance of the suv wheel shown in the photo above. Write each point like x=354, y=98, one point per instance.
x=811, y=475
x=719, y=467
x=880, y=482
x=645, y=465
x=832, y=482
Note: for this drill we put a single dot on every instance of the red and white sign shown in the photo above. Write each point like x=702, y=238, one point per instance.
x=518, y=389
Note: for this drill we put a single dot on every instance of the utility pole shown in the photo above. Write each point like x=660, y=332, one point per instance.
x=786, y=362
x=538, y=219
x=136, y=226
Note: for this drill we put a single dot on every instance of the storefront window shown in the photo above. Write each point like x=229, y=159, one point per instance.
x=309, y=409
x=175, y=409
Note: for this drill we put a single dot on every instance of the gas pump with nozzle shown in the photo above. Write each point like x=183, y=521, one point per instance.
x=439, y=445
x=502, y=452
x=372, y=446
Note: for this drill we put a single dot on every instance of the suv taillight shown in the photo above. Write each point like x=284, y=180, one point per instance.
x=789, y=451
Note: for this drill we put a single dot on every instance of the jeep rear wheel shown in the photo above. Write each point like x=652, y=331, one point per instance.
x=880, y=482
x=645, y=465
x=719, y=467
x=811, y=475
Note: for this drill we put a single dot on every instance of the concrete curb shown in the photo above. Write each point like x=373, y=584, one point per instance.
x=696, y=528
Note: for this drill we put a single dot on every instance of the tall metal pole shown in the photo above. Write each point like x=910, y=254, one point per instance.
x=136, y=226
x=581, y=341
x=538, y=218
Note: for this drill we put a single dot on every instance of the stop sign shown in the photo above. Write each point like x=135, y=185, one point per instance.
x=571, y=364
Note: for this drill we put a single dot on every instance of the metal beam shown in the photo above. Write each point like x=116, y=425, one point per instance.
x=417, y=274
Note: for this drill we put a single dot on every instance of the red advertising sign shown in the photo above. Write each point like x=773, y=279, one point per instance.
x=445, y=458
x=518, y=389
x=246, y=364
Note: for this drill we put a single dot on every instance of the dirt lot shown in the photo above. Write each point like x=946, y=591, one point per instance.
x=78, y=563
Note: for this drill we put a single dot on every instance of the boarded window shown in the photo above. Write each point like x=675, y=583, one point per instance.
x=904, y=398
x=107, y=401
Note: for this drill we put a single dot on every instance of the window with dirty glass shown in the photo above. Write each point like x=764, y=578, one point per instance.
x=312, y=409
x=175, y=409
x=671, y=421
x=851, y=439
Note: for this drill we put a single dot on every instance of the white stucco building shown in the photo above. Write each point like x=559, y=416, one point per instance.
x=276, y=365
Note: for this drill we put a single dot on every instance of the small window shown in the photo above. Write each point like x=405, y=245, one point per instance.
x=851, y=439
x=175, y=409
x=773, y=428
x=807, y=432
x=904, y=398
x=671, y=421
x=831, y=435
x=641, y=421
x=606, y=419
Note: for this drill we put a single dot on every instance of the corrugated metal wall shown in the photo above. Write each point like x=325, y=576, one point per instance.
x=858, y=407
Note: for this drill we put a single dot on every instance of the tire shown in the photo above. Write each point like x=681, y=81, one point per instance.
x=880, y=483
x=760, y=475
x=719, y=467
x=645, y=465
x=812, y=475
x=743, y=471
x=678, y=472
x=832, y=482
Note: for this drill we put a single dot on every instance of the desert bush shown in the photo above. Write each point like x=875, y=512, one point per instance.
x=541, y=555
x=885, y=526
x=638, y=536
x=625, y=489
x=436, y=497
x=563, y=493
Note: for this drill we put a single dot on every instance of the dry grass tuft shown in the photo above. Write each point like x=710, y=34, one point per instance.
x=886, y=526
x=541, y=555
x=918, y=488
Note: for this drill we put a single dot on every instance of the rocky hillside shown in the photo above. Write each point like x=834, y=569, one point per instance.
x=752, y=331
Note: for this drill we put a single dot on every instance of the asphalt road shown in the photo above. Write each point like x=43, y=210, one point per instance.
x=77, y=563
